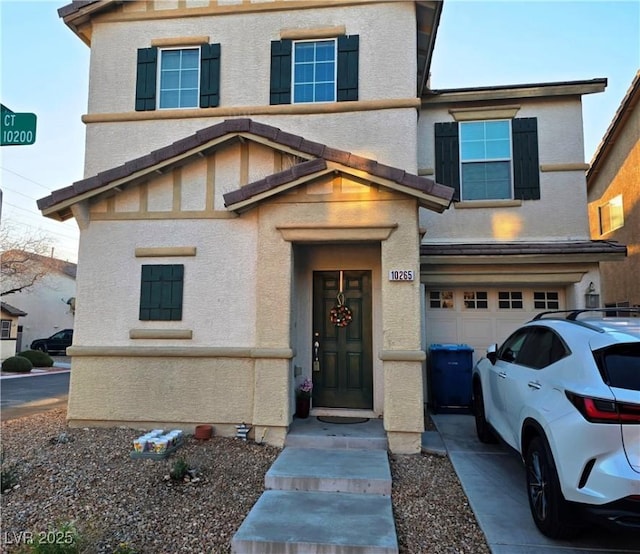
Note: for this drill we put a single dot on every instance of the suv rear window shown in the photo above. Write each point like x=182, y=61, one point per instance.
x=620, y=365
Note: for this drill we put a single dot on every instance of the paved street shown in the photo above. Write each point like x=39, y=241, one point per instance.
x=32, y=394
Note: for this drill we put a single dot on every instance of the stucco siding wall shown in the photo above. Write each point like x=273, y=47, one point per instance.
x=219, y=283
x=562, y=206
x=180, y=391
x=387, y=136
x=387, y=51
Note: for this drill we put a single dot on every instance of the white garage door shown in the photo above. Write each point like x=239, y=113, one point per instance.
x=483, y=316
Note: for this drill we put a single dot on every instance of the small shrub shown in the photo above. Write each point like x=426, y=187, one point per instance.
x=179, y=470
x=37, y=358
x=8, y=475
x=17, y=364
x=124, y=548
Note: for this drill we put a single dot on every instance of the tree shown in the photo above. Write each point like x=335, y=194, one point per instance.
x=23, y=259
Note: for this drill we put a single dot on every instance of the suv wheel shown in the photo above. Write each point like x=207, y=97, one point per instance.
x=483, y=429
x=41, y=348
x=552, y=514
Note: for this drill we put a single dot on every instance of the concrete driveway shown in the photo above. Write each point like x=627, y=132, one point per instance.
x=493, y=479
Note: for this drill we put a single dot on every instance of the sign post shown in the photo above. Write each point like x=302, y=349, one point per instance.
x=17, y=128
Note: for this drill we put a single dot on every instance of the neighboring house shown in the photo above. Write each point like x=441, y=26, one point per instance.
x=50, y=301
x=9, y=329
x=255, y=170
x=613, y=189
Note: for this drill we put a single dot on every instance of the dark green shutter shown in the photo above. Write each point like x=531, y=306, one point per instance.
x=146, y=79
x=448, y=156
x=209, y=75
x=161, y=292
x=280, y=86
x=526, y=167
x=348, y=68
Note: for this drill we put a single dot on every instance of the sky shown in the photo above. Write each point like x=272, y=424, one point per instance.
x=44, y=69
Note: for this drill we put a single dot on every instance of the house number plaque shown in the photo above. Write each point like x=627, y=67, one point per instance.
x=401, y=275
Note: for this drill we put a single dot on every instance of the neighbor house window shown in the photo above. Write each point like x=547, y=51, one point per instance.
x=475, y=300
x=441, y=299
x=485, y=160
x=510, y=300
x=489, y=160
x=545, y=300
x=611, y=215
x=178, y=77
x=161, y=292
x=5, y=329
x=308, y=71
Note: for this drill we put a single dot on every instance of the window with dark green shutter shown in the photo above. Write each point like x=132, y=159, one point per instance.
x=161, y=292
x=448, y=156
x=178, y=78
x=488, y=160
x=307, y=71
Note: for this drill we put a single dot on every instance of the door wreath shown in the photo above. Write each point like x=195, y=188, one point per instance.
x=340, y=315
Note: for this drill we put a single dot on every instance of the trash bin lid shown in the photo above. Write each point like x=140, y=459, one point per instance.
x=450, y=347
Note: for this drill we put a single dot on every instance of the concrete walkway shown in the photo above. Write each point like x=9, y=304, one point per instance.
x=329, y=491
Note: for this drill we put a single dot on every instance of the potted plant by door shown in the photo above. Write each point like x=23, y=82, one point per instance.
x=303, y=398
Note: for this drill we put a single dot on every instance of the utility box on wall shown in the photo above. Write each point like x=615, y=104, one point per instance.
x=449, y=380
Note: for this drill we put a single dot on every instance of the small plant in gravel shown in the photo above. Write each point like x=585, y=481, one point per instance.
x=179, y=470
x=124, y=548
x=37, y=358
x=17, y=364
x=8, y=475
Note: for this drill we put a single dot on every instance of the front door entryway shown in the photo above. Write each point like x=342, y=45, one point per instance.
x=343, y=371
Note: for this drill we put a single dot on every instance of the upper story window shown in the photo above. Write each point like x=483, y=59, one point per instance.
x=485, y=160
x=611, y=215
x=179, y=78
x=5, y=329
x=489, y=160
x=314, y=71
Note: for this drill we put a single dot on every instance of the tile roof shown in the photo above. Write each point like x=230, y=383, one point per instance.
x=11, y=310
x=524, y=248
x=233, y=127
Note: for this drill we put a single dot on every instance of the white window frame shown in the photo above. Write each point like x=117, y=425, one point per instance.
x=485, y=160
x=441, y=299
x=512, y=299
x=475, y=299
x=5, y=329
x=611, y=215
x=161, y=53
x=335, y=72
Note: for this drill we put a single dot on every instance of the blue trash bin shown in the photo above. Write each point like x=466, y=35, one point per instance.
x=450, y=368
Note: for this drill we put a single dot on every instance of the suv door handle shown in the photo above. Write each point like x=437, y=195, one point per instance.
x=534, y=385
x=502, y=374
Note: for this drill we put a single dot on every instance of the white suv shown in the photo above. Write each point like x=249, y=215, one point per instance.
x=564, y=392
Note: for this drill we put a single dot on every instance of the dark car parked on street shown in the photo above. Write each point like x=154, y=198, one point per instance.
x=56, y=343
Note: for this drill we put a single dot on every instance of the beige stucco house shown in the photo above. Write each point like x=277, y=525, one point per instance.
x=9, y=317
x=613, y=185
x=273, y=192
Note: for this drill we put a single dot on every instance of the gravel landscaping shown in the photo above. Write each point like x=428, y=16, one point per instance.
x=122, y=505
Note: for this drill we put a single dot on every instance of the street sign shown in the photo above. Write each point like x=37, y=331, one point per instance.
x=17, y=128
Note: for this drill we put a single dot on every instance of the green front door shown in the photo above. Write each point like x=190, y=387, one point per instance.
x=342, y=358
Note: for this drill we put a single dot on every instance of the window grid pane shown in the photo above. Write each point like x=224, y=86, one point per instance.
x=475, y=300
x=314, y=71
x=485, y=158
x=179, y=78
x=510, y=300
x=441, y=299
x=6, y=329
x=543, y=300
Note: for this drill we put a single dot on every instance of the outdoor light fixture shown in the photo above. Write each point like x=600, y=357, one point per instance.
x=591, y=299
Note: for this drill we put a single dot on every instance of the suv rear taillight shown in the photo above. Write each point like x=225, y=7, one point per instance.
x=599, y=410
